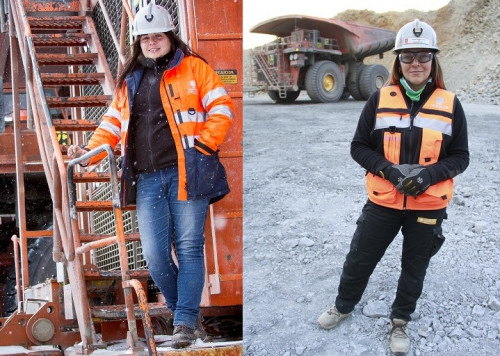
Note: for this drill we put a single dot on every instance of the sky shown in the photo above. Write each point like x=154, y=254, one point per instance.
x=256, y=11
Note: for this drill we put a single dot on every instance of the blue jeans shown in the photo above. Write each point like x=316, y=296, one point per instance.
x=163, y=220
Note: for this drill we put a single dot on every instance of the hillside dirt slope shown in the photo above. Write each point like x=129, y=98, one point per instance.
x=469, y=38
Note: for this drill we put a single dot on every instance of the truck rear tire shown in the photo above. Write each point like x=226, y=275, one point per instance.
x=324, y=82
x=290, y=96
x=372, y=78
x=353, y=82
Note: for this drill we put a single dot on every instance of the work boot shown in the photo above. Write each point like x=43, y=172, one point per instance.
x=183, y=336
x=199, y=330
x=400, y=341
x=331, y=318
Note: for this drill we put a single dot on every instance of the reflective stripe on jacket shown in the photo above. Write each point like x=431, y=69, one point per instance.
x=435, y=120
x=198, y=109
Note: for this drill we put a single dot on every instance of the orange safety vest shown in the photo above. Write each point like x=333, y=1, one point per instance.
x=435, y=120
x=197, y=107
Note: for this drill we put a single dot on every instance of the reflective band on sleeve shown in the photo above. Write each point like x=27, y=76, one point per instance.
x=213, y=95
x=115, y=130
x=125, y=125
x=186, y=117
x=113, y=113
x=383, y=122
x=443, y=126
x=222, y=110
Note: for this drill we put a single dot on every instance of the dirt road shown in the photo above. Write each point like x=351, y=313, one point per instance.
x=302, y=196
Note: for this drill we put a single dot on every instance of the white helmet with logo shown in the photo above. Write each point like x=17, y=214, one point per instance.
x=416, y=34
x=152, y=18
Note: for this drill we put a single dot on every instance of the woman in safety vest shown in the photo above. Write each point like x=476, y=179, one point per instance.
x=412, y=140
x=170, y=113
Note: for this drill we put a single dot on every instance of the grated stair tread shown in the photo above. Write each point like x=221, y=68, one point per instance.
x=102, y=205
x=60, y=39
x=78, y=101
x=56, y=23
x=74, y=125
x=93, y=237
x=62, y=79
x=46, y=59
x=116, y=274
x=114, y=312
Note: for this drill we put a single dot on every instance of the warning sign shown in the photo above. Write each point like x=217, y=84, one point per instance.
x=228, y=76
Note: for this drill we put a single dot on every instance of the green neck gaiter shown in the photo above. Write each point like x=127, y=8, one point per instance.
x=412, y=94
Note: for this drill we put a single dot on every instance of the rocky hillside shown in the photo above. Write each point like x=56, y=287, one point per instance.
x=469, y=37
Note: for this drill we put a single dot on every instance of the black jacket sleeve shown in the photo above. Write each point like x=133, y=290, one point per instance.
x=363, y=150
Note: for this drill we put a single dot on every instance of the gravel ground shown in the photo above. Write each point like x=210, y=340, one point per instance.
x=302, y=196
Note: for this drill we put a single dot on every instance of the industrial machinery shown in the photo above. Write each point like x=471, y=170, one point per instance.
x=322, y=56
x=73, y=279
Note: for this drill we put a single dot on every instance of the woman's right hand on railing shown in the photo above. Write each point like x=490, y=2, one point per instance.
x=75, y=151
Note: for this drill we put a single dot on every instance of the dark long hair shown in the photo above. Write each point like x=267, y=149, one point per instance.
x=133, y=60
x=436, y=73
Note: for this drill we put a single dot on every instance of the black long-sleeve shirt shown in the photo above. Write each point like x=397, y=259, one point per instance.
x=367, y=146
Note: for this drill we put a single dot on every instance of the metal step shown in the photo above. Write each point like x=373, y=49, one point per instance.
x=92, y=237
x=102, y=205
x=98, y=274
x=78, y=101
x=56, y=23
x=63, y=79
x=114, y=312
x=49, y=59
x=60, y=39
x=74, y=125
x=91, y=177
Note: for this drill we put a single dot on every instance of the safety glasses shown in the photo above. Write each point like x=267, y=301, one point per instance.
x=422, y=57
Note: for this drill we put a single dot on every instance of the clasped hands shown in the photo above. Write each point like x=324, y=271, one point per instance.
x=409, y=179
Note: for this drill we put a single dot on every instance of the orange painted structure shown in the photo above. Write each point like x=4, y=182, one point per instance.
x=63, y=56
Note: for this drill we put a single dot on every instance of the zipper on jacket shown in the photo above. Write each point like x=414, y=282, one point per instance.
x=148, y=121
x=171, y=108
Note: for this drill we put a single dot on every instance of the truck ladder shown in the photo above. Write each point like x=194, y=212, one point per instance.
x=66, y=43
x=275, y=75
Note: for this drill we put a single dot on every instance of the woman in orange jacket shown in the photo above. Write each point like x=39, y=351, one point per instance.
x=170, y=114
x=412, y=140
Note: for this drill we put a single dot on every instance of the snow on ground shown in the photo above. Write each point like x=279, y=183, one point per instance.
x=302, y=196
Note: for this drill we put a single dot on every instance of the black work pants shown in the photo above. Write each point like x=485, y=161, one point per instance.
x=376, y=229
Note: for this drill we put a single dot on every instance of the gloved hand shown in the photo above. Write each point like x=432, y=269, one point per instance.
x=398, y=172
x=416, y=182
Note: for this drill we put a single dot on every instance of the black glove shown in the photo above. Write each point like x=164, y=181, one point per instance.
x=416, y=182
x=397, y=173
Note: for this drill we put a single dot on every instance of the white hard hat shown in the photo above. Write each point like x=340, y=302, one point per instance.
x=152, y=19
x=416, y=34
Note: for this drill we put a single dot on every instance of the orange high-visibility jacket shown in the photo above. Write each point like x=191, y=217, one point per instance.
x=435, y=120
x=198, y=109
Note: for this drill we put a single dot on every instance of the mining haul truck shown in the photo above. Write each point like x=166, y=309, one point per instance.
x=72, y=277
x=322, y=56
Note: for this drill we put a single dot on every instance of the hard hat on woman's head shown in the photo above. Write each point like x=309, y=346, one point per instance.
x=416, y=34
x=152, y=18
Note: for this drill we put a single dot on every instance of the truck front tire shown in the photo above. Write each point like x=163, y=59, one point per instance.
x=290, y=96
x=324, y=82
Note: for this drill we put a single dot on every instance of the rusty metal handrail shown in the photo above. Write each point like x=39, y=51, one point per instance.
x=112, y=171
x=19, y=290
x=145, y=314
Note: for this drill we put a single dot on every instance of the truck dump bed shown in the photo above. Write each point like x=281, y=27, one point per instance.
x=353, y=40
